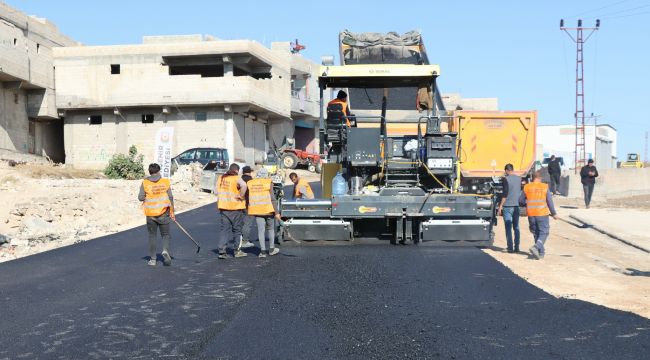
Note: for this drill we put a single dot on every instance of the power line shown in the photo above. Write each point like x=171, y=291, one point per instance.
x=624, y=16
x=601, y=8
x=619, y=12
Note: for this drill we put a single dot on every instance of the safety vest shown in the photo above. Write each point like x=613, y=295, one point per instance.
x=296, y=191
x=227, y=193
x=156, y=200
x=536, y=199
x=259, y=197
x=344, y=105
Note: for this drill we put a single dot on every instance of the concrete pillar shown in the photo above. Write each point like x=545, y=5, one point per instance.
x=229, y=135
x=228, y=69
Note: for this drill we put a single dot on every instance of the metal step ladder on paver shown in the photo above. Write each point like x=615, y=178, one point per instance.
x=402, y=172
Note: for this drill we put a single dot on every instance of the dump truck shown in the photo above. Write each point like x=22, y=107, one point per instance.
x=488, y=140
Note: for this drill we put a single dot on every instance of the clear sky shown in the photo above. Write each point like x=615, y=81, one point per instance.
x=513, y=50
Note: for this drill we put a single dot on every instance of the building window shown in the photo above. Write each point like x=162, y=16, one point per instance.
x=115, y=69
x=200, y=116
x=147, y=118
x=95, y=119
x=38, y=48
x=15, y=41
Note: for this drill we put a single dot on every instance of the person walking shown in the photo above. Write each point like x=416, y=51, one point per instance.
x=231, y=203
x=158, y=205
x=263, y=206
x=301, y=188
x=247, y=229
x=509, y=207
x=539, y=205
x=555, y=172
x=588, y=175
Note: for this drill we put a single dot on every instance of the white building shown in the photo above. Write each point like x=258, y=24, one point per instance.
x=560, y=140
x=235, y=94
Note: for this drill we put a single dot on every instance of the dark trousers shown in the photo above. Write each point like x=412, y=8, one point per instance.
x=155, y=223
x=232, y=222
x=511, y=219
x=247, y=230
x=589, y=190
x=555, y=183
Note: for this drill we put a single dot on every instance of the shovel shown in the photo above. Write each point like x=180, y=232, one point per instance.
x=198, y=247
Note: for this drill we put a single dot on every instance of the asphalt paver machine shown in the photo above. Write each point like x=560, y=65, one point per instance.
x=404, y=187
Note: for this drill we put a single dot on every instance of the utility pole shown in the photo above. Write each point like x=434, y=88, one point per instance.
x=580, y=41
x=646, y=147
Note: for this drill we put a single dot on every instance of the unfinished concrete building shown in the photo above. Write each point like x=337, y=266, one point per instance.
x=234, y=94
x=29, y=121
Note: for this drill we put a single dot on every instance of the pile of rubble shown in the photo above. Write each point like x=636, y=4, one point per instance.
x=61, y=218
x=187, y=177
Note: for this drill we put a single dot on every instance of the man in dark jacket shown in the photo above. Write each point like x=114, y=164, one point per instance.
x=588, y=175
x=554, y=171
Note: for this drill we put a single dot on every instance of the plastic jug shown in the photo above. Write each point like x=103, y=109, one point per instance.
x=339, y=185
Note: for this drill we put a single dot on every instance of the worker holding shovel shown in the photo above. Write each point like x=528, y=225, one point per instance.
x=158, y=206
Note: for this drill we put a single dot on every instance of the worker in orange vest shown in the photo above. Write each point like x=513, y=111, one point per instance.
x=301, y=188
x=539, y=205
x=262, y=205
x=158, y=205
x=231, y=203
x=340, y=105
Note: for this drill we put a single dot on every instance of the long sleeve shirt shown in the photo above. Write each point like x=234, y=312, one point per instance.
x=549, y=201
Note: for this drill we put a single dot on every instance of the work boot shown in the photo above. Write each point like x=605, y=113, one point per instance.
x=222, y=254
x=535, y=252
x=245, y=244
x=240, y=253
x=152, y=262
x=517, y=249
x=274, y=251
x=167, y=260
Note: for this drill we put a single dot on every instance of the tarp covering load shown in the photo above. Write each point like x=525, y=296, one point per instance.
x=379, y=48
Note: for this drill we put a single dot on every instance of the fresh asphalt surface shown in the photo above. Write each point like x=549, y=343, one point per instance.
x=99, y=300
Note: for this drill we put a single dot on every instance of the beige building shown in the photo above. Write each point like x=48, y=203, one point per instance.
x=237, y=95
x=29, y=121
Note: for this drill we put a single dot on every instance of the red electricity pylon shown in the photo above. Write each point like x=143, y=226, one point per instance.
x=580, y=41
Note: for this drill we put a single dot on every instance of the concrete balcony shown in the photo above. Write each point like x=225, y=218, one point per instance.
x=303, y=106
x=82, y=92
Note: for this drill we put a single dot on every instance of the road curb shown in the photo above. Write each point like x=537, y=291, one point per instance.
x=608, y=233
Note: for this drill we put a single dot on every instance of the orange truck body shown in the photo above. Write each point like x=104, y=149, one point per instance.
x=491, y=139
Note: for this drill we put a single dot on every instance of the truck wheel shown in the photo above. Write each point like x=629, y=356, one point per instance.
x=319, y=168
x=290, y=161
x=311, y=168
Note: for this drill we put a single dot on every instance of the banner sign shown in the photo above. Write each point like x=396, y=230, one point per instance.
x=163, y=150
